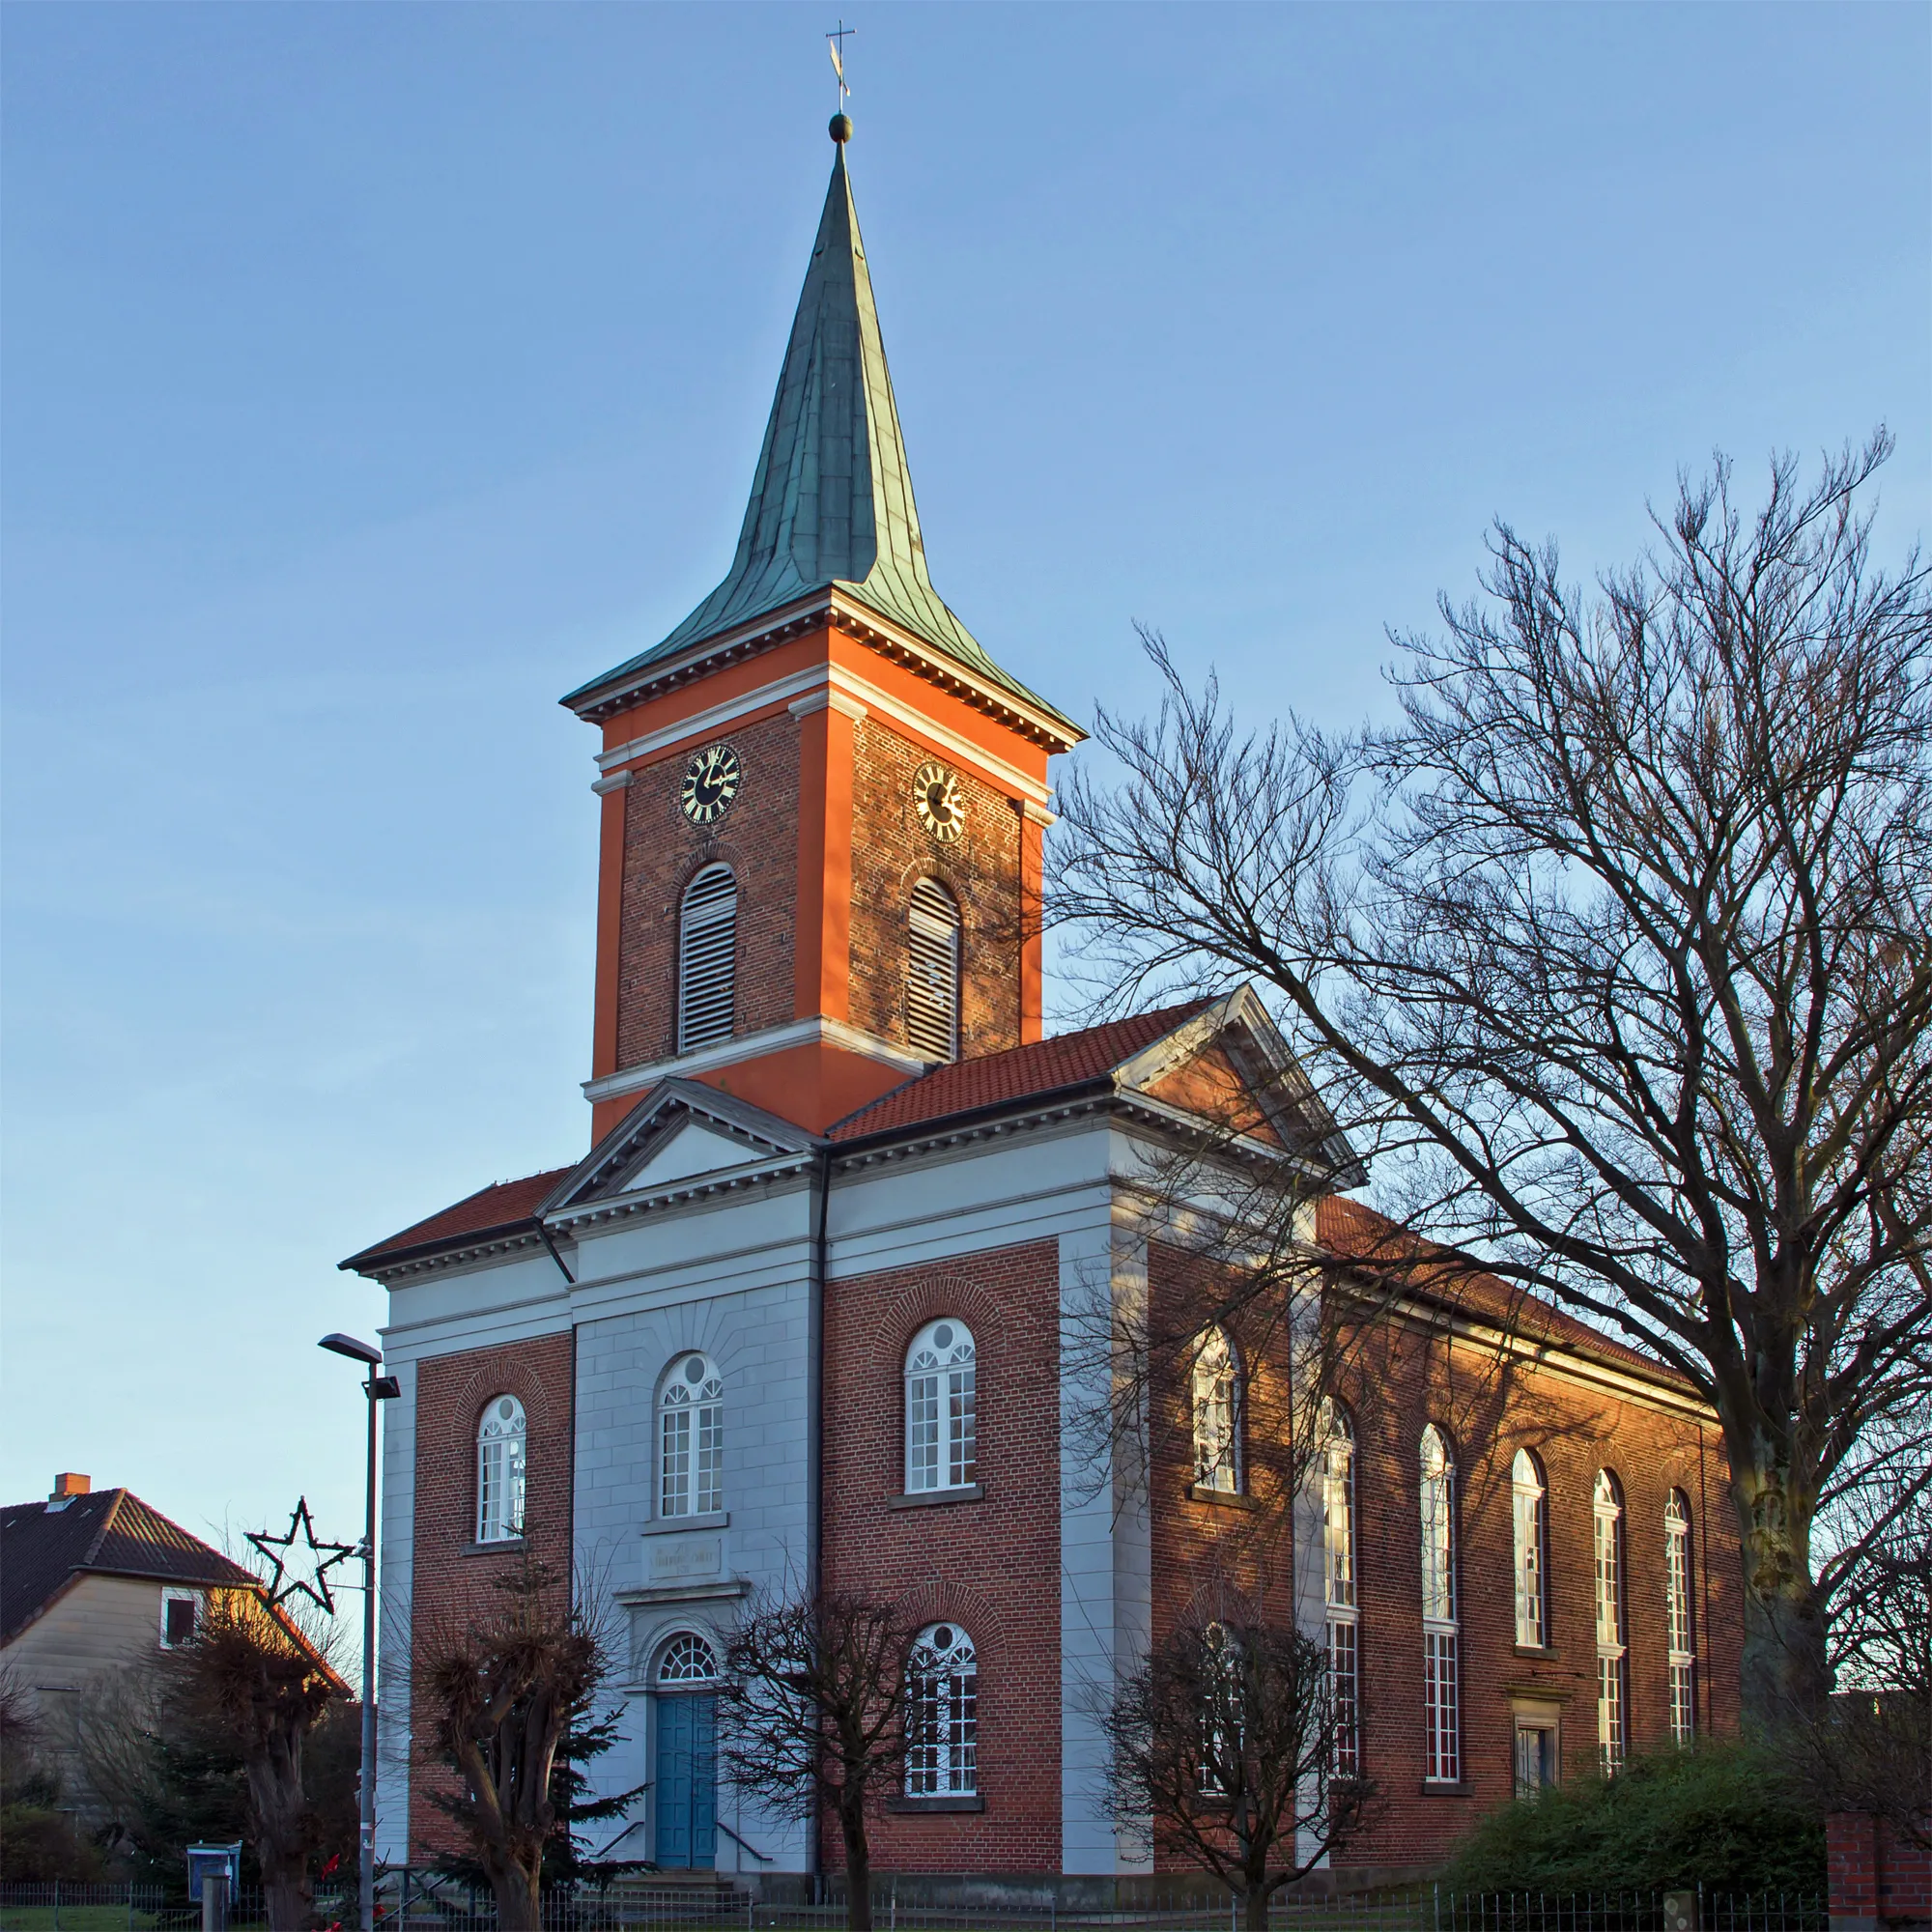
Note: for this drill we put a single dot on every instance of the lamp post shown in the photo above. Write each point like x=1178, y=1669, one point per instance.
x=378, y=1388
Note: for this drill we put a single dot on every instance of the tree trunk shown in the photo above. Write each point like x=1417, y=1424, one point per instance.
x=857, y=1867
x=289, y=1901
x=1784, y=1673
x=519, y=1908
x=1255, y=1907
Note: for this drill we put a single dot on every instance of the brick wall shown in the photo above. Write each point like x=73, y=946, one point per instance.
x=454, y=1581
x=992, y=1565
x=1395, y=1377
x=757, y=838
x=891, y=851
x=1876, y=1880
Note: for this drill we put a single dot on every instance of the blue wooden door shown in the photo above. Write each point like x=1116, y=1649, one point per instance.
x=687, y=1815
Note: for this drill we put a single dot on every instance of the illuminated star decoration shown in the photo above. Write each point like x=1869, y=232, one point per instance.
x=311, y=1564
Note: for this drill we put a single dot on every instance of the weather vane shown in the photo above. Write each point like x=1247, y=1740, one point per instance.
x=312, y=1578
x=835, y=46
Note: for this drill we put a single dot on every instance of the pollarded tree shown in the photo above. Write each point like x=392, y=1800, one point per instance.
x=813, y=1716
x=501, y=1691
x=1613, y=958
x=1222, y=1752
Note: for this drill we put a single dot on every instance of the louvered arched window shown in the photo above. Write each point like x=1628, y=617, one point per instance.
x=1528, y=1510
x=932, y=972
x=1681, y=1629
x=707, y=957
x=500, y=1471
x=1612, y=1650
x=1338, y=1537
x=1441, y=1665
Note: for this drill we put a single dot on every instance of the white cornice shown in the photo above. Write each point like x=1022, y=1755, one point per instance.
x=859, y=620
x=813, y=688
x=817, y=1031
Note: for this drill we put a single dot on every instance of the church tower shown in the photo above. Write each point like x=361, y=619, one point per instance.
x=822, y=800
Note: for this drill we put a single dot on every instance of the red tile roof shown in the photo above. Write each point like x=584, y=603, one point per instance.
x=110, y=1532
x=1352, y=1231
x=503, y=1204
x=1020, y=1073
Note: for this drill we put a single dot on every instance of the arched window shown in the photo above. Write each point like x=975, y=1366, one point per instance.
x=1530, y=1520
x=1338, y=1564
x=1217, y=1415
x=707, y=957
x=1221, y=1739
x=942, y=1720
x=1612, y=1654
x=941, y=1399
x=500, y=1471
x=932, y=973
x=687, y=1659
x=1442, y=1682
x=1680, y=1628
x=691, y=1438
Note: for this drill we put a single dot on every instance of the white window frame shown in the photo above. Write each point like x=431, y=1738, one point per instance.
x=1529, y=1526
x=934, y=972
x=707, y=957
x=502, y=1470
x=1606, y=1511
x=1339, y=1591
x=1680, y=1617
x=1441, y=1648
x=691, y=1437
x=1217, y=1403
x=942, y=1707
x=670, y=1676
x=941, y=1409
x=173, y=1596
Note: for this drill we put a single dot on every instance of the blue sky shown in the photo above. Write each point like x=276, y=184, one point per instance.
x=374, y=374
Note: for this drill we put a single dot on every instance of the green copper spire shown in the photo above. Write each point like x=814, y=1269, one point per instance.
x=832, y=501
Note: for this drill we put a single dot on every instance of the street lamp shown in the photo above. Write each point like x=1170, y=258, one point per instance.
x=378, y=1388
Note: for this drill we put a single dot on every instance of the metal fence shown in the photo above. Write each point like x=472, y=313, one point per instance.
x=428, y=1902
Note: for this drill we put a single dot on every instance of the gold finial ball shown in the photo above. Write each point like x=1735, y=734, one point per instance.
x=841, y=130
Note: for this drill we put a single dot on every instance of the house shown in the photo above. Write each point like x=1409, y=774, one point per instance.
x=91, y=1581
x=816, y=1302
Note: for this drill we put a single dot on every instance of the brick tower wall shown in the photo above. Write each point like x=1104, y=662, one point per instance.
x=992, y=1565
x=455, y=1580
x=891, y=851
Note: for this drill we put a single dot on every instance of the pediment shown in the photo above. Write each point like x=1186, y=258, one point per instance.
x=677, y=1134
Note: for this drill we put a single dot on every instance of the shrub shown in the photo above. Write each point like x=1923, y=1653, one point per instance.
x=1721, y=1816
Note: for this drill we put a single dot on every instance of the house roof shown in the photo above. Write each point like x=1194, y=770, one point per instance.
x=1427, y=1271
x=110, y=1533
x=1020, y=1073
x=831, y=504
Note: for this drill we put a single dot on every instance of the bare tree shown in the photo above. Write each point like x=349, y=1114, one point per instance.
x=500, y=1692
x=1222, y=1752
x=813, y=1715
x=1871, y=1749
x=1613, y=955
x=253, y=1682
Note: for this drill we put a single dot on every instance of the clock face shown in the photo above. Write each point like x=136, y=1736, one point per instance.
x=936, y=797
x=711, y=782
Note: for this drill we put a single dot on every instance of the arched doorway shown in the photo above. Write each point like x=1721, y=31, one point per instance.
x=686, y=1794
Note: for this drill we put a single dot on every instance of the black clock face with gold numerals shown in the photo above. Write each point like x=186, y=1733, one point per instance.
x=935, y=794
x=711, y=782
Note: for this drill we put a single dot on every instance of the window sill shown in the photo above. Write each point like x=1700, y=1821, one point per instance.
x=1204, y=1492
x=915, y=1804
x=969, y=1492
x=1440, y=1787
x=1536, y=1650
x=499, y=1546
x=673, y=1525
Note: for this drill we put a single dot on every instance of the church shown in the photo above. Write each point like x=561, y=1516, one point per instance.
x=812, y=1303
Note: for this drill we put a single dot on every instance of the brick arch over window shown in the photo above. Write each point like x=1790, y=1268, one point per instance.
x=931, y=1297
